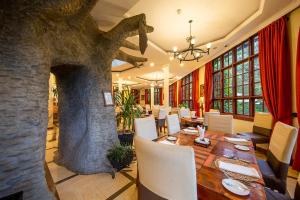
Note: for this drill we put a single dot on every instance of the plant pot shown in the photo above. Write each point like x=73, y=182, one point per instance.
x=122, y=164
x=125, y=138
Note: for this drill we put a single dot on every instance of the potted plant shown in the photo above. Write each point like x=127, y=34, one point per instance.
x=127, y=112
x=120, y=156
x=183, y=105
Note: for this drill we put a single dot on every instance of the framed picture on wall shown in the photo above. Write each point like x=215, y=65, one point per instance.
x=202, y=90
x=108, y=99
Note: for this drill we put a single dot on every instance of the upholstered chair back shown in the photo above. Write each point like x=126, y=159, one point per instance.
x=145, y=127
x=263, y=123
x=184, y=112
x=221, y=123
x=155, y=110
x=173, y=124
x=165, y=171
x=281, y=146
x=162, y=113
x=206, y=114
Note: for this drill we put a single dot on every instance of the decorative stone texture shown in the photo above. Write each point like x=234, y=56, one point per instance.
x=36, y=35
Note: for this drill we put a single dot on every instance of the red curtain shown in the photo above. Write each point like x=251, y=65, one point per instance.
x=195, y=95
x=146, y=96
x=161, y=96
x=296, y=163
x=179, y=92
x=275, y=70
x=175, y=94
x=208, y=85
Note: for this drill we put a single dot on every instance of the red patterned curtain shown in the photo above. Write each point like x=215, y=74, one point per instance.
x=296, y=164
x=195, y=95
x=208, y=85
x=179, y=92
x=275, y=70
x=175, y=94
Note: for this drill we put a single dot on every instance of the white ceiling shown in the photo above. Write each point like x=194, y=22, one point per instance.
x=214, y=21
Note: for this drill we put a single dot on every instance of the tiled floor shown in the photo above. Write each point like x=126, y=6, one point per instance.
x=71, y=186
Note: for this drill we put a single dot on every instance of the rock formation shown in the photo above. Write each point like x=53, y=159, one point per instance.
x=39, y=36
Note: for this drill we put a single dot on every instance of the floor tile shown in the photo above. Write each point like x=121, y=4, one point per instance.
x=59, y=173
x=129, y=194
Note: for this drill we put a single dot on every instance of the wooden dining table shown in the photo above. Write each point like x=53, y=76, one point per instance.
x=191, y=121
x=209, y=177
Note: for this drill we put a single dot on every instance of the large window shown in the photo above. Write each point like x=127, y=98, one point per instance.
x=157, y=93
x=187, y=90
x=171, y=95
x=236, y=77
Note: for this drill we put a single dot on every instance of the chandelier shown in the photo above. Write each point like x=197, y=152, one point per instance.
x=191, y=53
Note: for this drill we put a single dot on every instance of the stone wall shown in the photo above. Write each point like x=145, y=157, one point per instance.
x=35, y=36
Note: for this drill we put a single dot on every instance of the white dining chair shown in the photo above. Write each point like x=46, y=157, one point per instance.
x=165, y=171
x=206, y=115
x=155, y=111
x=145, y=127
x=173, y=124
x=184, y=112
x=222, y=123
x=275, y=168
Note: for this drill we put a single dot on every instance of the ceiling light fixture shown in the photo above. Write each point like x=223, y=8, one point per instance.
x=152, y=64
x=191, y=53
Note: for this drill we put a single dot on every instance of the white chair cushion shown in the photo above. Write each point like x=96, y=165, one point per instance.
x=282, y=142
x=221, y=123
x=184, y=112
x=263, y=119
x=145, y=127
x=173, y=124
x=206, y=114
x=167, y=170
x=162, y=113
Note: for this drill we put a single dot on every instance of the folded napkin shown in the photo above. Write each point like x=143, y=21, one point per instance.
x=166, y=142
x=230, y=139
x=190, y=131
x=248, y=171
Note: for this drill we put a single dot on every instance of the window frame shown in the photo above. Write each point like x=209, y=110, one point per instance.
x=186, y=88
x=221, y=99
x=171, y=95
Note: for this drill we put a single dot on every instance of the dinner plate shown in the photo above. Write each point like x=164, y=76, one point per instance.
x=191, y=128
x=172, y=138
x=235, y=187
x=242, y=147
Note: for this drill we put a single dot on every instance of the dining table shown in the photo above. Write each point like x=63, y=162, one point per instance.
x=209, y=176
x=191, y=121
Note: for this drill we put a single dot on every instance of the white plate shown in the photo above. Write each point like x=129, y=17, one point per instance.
x=191, y=128
x=171, y=138
x=236, y=187
x=204, y=141
x=241, y=147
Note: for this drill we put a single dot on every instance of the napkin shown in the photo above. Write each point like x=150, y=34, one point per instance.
x=248, y=171
x=201, y=132
x=166, y=142
x=236, y=139
x=190, y=131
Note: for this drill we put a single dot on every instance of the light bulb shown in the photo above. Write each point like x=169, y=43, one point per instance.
x=197, y=54
x=171, y=58
x=193, y=41
x=117, y=75
x=208, y=45
x=179, y=56
x=152, y=64
x=175, y=49
x=181, y=64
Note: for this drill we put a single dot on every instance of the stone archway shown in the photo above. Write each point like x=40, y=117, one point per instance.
x=37, y=36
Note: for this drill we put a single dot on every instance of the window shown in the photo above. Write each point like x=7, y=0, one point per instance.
x=147, y=96
x=187, y=90
x=236, y=80
x=157, y=94
x=171, y=95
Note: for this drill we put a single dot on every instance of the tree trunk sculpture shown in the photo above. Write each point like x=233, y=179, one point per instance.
x=39, y=36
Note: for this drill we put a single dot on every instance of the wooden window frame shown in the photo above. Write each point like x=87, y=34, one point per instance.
x=187, y=90
x=251, y=84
